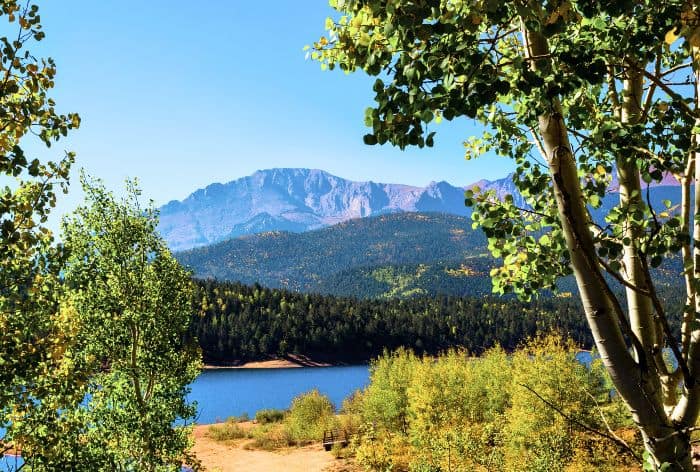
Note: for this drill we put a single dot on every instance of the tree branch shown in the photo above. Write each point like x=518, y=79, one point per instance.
x=613, y=438
x=621, y=279
x=673, y=344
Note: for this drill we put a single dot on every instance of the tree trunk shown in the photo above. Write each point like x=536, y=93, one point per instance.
x=674, y=451
x=636, y=380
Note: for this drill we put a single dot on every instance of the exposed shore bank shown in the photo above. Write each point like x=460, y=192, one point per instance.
x=287, y=362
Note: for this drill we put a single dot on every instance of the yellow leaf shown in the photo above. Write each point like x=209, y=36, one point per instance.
x=671, y=36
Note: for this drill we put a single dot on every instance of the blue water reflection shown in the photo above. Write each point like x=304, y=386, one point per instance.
x=233, y=392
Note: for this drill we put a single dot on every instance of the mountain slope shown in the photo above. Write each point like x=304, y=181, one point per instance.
x=297, y=200
x=391, y=255
x=319, y=261
x=293, y=200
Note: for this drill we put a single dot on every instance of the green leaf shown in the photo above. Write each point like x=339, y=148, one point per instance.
x=369, y=139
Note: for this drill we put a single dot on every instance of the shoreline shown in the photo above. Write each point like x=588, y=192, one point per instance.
x=289, y=362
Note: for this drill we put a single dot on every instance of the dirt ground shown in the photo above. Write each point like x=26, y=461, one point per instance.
x=231, y=456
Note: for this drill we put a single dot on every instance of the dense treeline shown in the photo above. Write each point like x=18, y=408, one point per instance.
x=239, y=322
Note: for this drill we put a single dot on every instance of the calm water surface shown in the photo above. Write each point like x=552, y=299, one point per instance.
x=231, y=392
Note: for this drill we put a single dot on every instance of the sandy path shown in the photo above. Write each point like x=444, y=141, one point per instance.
x=231, y=457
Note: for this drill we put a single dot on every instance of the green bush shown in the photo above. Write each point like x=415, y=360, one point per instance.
x=309, y=415
x=456, y=407
x=536, y=434
x=464, y=413
x=269, y=437
x=269, y=415
x=386, y=398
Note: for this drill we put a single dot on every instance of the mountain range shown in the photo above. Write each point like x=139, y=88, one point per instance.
x=309, y=231
x=298, y=200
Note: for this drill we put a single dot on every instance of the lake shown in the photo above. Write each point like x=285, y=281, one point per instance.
x=221, y=393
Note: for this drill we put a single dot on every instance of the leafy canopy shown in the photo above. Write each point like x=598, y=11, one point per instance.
x=34, y=333
x=438, y=60
x=134, y=304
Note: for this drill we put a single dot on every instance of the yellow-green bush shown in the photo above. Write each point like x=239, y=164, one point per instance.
x=269, y=415
x=309, y=415
x=457, y=413
x=383, y=452
x=456, y=407
x=386, y=399
x=270, y=436
x=229, y=430
x=537, y=437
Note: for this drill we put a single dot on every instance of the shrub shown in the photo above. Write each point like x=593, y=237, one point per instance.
x=227, y=431
x=309, y=415
x=385, y=403
x=539, y=438
x=269, y=437
x=387, y=453
x=269, y=415
x=482, y=414
x=456, y=406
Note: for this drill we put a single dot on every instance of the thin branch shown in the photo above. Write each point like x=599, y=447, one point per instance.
x=621, y=279
x=538, y=144
x=646, y=151
x=590, y=429
x=578, y=134
x=670, y=92
x=612, y=91
x=688, y=379
x=675, y=68
x=687, y=430
x=652, y=88
x=605, y=420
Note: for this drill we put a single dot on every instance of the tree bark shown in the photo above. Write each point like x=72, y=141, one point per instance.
x=686, y=412
x=636, y=380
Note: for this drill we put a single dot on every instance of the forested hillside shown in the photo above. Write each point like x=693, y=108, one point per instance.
x=396, y=255
x=239, y=323
x=317, y=260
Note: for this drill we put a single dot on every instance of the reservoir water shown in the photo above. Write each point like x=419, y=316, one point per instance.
x=221, y=393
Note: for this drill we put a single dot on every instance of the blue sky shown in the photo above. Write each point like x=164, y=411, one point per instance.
x=183, y=94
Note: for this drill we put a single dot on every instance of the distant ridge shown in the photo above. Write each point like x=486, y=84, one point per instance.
x=296, y=200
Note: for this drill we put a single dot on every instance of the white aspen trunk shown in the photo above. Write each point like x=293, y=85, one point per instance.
x=640, y=307
x=688, y=407
x=636, y=381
